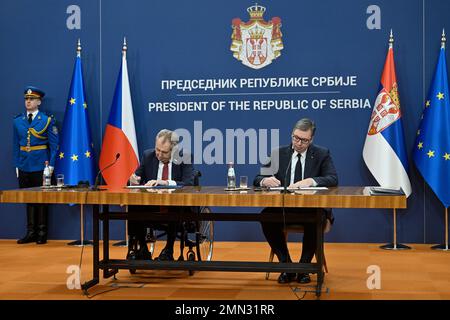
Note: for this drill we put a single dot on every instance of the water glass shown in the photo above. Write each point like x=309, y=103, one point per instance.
x=60, y=180
x=243, y=182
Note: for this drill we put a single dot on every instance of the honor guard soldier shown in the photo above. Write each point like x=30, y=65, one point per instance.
x=35, y=142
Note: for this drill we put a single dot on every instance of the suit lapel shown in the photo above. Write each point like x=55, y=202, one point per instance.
x=36, y=120
x=175, y=171
x=155, y=167
x=25, y=120
x=309, y=162
x=285, y=157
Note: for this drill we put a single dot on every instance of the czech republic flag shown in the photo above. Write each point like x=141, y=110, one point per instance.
x=120, y=134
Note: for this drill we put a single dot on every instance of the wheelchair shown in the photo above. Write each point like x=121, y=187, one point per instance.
x=196, y=236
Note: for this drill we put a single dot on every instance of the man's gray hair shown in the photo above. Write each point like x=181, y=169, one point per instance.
x=168, y=135
x=305, y=124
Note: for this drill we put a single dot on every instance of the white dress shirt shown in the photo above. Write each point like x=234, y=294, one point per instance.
x=294, y=163
x=33, y=113
x=169, y=177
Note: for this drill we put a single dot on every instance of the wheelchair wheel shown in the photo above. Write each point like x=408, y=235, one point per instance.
x=205, y=238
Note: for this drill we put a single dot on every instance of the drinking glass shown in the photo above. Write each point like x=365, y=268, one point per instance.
x=243, y=182
x=59, y=180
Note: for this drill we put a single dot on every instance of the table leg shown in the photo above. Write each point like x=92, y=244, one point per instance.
x=105, y=218
x=96, y=253
x=319, y=250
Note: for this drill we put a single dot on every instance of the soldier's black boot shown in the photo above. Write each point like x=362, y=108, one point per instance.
x=31, y=235
x=42, y=225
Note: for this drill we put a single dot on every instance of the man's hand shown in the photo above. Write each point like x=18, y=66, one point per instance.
x=309, y=182
x=270, y=182
x=135, y=180
x=153, y=183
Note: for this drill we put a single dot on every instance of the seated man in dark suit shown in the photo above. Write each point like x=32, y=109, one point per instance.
x=301, y=164
x=162, y=166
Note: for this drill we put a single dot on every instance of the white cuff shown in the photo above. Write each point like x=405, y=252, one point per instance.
x=261, y=182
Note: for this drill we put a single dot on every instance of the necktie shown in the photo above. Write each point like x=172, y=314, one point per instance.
x=30, y=118
x=298, y=169
x=165, y=173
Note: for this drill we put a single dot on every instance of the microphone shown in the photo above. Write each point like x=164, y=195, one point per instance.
x=97, y=179
x=283, y=208
x=288, y=170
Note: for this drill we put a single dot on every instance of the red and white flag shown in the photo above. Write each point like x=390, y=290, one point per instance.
x=384, y=149
x=120, y=134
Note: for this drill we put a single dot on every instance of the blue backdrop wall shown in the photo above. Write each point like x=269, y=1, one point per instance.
x=190, y=40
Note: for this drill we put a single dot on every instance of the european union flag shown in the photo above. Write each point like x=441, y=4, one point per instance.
x=75, y=157
x=432, y=149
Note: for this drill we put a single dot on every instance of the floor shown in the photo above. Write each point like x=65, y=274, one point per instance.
x=356, y=272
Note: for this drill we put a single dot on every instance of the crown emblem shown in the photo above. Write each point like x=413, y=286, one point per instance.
x=256, y=33
x=29, y=91
x=256, y=12
x=394, y=95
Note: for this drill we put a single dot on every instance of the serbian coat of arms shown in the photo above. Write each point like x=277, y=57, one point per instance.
x=386, y=110
x=256, y=42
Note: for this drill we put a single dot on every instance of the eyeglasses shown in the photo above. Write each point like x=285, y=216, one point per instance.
x=302, y=140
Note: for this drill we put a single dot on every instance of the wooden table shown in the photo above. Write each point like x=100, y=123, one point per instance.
x=340, y=197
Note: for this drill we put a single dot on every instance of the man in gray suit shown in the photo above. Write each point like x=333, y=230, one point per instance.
x=300, y=164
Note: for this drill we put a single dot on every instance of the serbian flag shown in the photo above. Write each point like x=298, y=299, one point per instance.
x=384, y=150
x=120, y=134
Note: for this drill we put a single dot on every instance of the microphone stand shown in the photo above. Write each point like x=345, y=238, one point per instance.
x=97, y=179
x=285, y=188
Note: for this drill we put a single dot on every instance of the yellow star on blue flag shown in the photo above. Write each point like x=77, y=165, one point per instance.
x=434, y=133
x=76, y=136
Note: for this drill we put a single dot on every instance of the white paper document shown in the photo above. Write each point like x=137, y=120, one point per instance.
x=293, y=189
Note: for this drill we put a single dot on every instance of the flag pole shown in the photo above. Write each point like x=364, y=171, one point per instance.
x=395, y=245
x=124, y=243
x=81, y=242
x=443, y=247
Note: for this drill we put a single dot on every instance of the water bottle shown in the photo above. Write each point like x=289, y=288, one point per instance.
x=46, y=176
x=231, y=176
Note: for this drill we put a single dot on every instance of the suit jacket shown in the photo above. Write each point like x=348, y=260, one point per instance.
x=41, y=137
x=182, y=173
x=318, y=165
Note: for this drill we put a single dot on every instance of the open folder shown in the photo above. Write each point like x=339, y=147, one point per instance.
x=385, y=191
